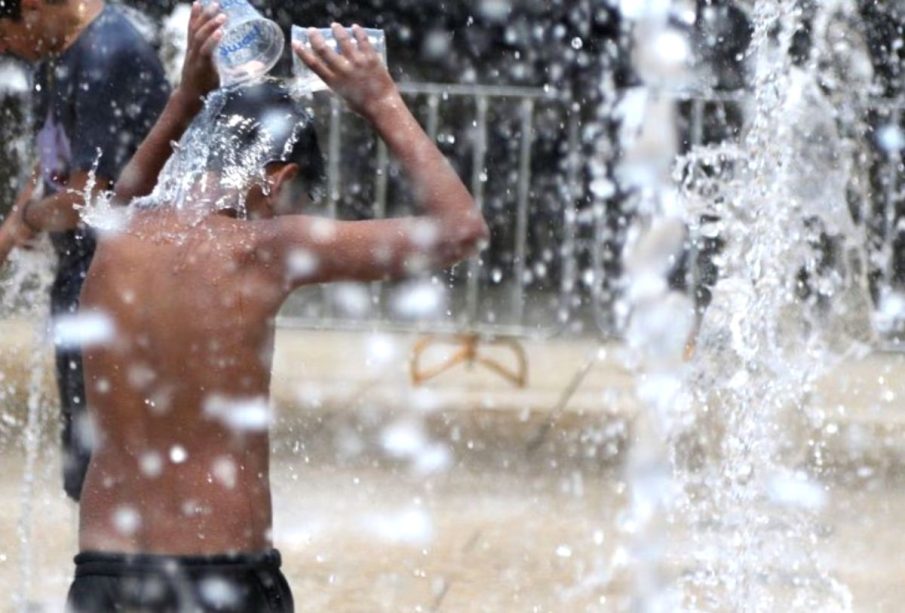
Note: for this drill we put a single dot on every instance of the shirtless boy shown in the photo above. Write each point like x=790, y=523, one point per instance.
x=176, y=509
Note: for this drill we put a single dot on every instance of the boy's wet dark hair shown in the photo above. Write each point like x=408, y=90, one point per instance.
x=265, y=122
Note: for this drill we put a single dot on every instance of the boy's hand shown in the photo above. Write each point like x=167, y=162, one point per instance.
x=199, y=75
x=16, y=230
x=14, y=233
x=357, y=75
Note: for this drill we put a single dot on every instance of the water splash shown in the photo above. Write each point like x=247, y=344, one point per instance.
x=34, y=429
x=792, y=300
x=657, y=321
x=24, y=294
x=217, y=162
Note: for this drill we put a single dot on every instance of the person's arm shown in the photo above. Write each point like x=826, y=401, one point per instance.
x=60, y=212
x=450, y=228
x=56, y=213
x=199, y=77
x=31, y=186
x=13, y=232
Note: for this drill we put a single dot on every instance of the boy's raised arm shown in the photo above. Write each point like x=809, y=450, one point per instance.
x=359, y=76
x=449, y=228
x=199, y=77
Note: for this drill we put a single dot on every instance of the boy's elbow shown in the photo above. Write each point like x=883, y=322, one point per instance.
x=478, y=235
x=480, y=231
x=472, y=234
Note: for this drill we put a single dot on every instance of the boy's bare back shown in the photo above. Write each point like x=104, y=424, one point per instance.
x=181, y=395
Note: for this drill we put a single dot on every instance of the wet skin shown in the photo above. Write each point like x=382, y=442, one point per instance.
x=193, y=306
x=196, y=324
x=193, y=309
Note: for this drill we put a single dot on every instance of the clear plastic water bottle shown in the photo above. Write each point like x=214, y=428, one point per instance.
x=305, y=81
x=251, y=45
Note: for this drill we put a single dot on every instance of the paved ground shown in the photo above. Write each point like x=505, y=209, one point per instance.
x=358, y=539
x=526, y=516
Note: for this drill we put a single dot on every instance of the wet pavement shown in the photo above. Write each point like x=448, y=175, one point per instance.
x=358, y=539
x=377, y=540
x=519, y=512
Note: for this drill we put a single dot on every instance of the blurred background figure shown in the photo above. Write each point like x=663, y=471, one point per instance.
x=98, y=87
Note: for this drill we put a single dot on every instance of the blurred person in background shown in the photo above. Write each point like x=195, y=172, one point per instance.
x=98, y=89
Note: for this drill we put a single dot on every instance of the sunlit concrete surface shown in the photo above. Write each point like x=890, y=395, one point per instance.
x=366, y=540
x=522, y=514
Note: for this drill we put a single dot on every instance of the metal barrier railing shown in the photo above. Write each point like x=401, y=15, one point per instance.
x=893, y=194
x=465, y=289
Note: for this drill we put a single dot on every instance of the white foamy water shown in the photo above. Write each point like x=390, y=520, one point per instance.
x=240, y=414
x=83, y=330
x=213, y=166
x=412, y=527
x=419, y=300
x=713, y=459
x=13, y=78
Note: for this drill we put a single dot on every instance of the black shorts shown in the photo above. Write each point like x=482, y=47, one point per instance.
x=246, y=583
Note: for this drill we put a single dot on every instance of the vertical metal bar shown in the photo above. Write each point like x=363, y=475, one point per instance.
x=333, y=155
x=891, y=190
x=605, y=314
x=521, y=224
x=381, y=187
x=478, y=178
x=433, y=116
x=570, y=218
x=722, y=116
x=697, y=122
x=381, y=181
x=334, y=177
x=692, y=272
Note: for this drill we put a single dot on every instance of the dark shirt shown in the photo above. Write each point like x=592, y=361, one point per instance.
x=93, y=105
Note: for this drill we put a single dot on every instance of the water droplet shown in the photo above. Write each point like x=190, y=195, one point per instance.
x=178, y=454
x=126, y=520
